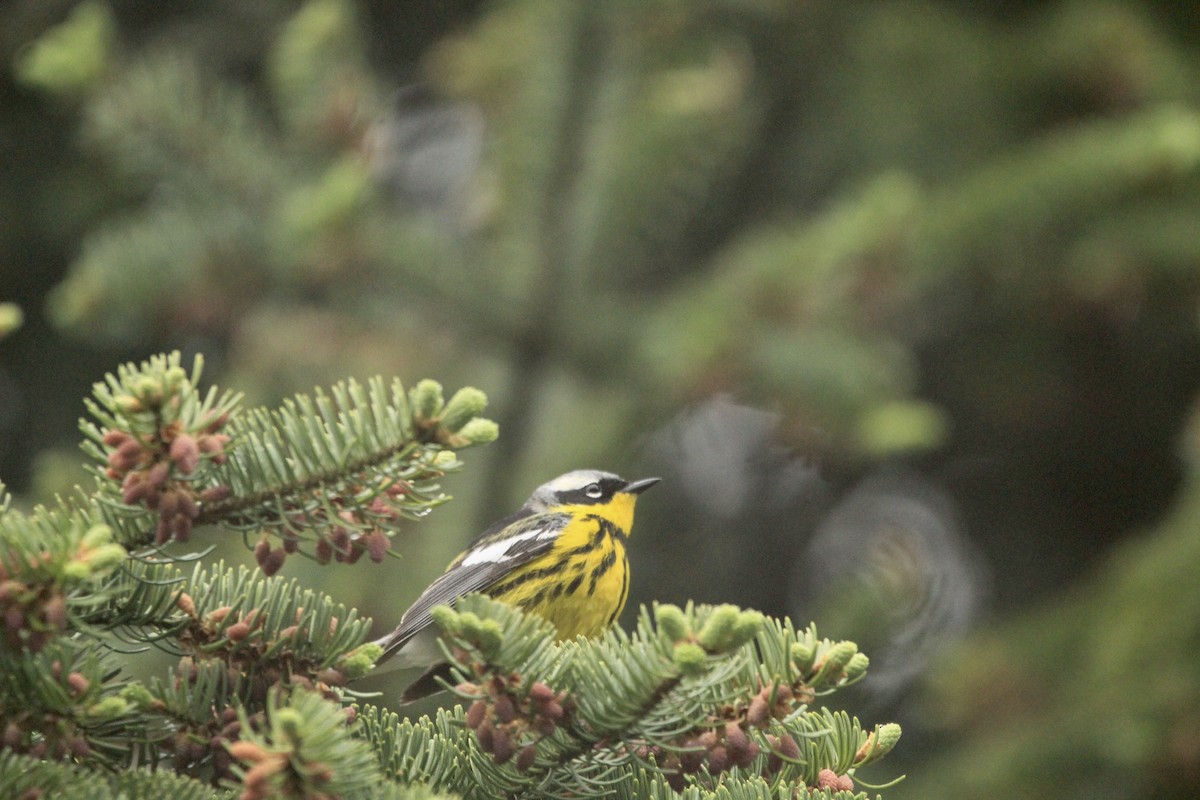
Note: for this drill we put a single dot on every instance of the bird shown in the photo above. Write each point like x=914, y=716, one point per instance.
x=561, y=556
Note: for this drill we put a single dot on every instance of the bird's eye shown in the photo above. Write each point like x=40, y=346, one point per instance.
x=594, y=491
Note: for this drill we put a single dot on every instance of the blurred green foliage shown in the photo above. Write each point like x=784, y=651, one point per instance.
x=956, y=237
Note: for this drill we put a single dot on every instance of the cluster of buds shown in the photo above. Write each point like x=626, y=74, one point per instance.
x=33, y=600
x=206, y=743
x=827, y=779
x=715, y=750
x=776, y=701
x=509, y=724
x=241, y=642
x=273, y=761
x=33, y=614
x=362, y=532
x=831, y=666
x=356, y=532
x=209, y=744
x=454, y=424
x=154, y=471
x=341, y=545
x=726, y=742
x=50, y=735
x=52, y=739
x=261, y=780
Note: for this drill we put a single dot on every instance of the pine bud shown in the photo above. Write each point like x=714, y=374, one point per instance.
x=830, y=668
x=156, y=476
x=237, y=631
x=738, y=744
x=331, y=677
x=134, y=488
x=273, y=561
x=185, y=452
x=553, y=710
x=788, y=748
x=54, y=611
x=426, y=401
x=540, y=693
x=262, y=549
x=827, y=779
x=97, y=535
x=105, y=556
x=691, y=758
x=484, y=734
x=477, y=431
x=115, y=438
x=857, y=666
x=248, y=752
x=475, y=714
x=526, y=757
x=184, y=602
x=466, y=404
x=215, y=494
x=689, y=657
x=672, y=622
x=759, y=712
x=78, y=683
x=323, y=552
x=504, y=708
x=718, y=628
x=878, y=744
x=378, y=545
x=718, y=759
x=502, y=745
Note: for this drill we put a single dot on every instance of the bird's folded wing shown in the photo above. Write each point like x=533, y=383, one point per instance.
x=486, y=562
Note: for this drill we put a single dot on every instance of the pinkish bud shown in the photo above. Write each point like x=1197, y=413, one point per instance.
x=185, y=453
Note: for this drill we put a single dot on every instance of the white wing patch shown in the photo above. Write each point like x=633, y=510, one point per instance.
x=501, y=551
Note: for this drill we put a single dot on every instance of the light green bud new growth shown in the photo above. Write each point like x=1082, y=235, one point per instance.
x=148, y=390
x=878, y=744
x=109, y=708
x=138, y=695
x=426, y=400
x=361, y=660
x=444, y=459
x=856, y=667
x=672, y=622
x=96, y=536
x=105, y=556
x=479, y=431
x=447, y=619
x=886, y=737
x=690, y=658
x=718, y=629
x=466, y=404
x=834, y=663
x=173, y=378
x=76, y=569
x=290, y=721
x=486, y=633
x=802, y=656
x=745, y=627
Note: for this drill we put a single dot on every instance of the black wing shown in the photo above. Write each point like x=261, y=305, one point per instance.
x=530, y=536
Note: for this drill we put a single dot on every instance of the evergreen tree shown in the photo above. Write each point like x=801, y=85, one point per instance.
x=711, y=701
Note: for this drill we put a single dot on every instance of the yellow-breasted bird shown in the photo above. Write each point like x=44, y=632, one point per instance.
x=562, y=556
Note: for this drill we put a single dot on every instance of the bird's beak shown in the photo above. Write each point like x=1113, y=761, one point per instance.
x=637, y=487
